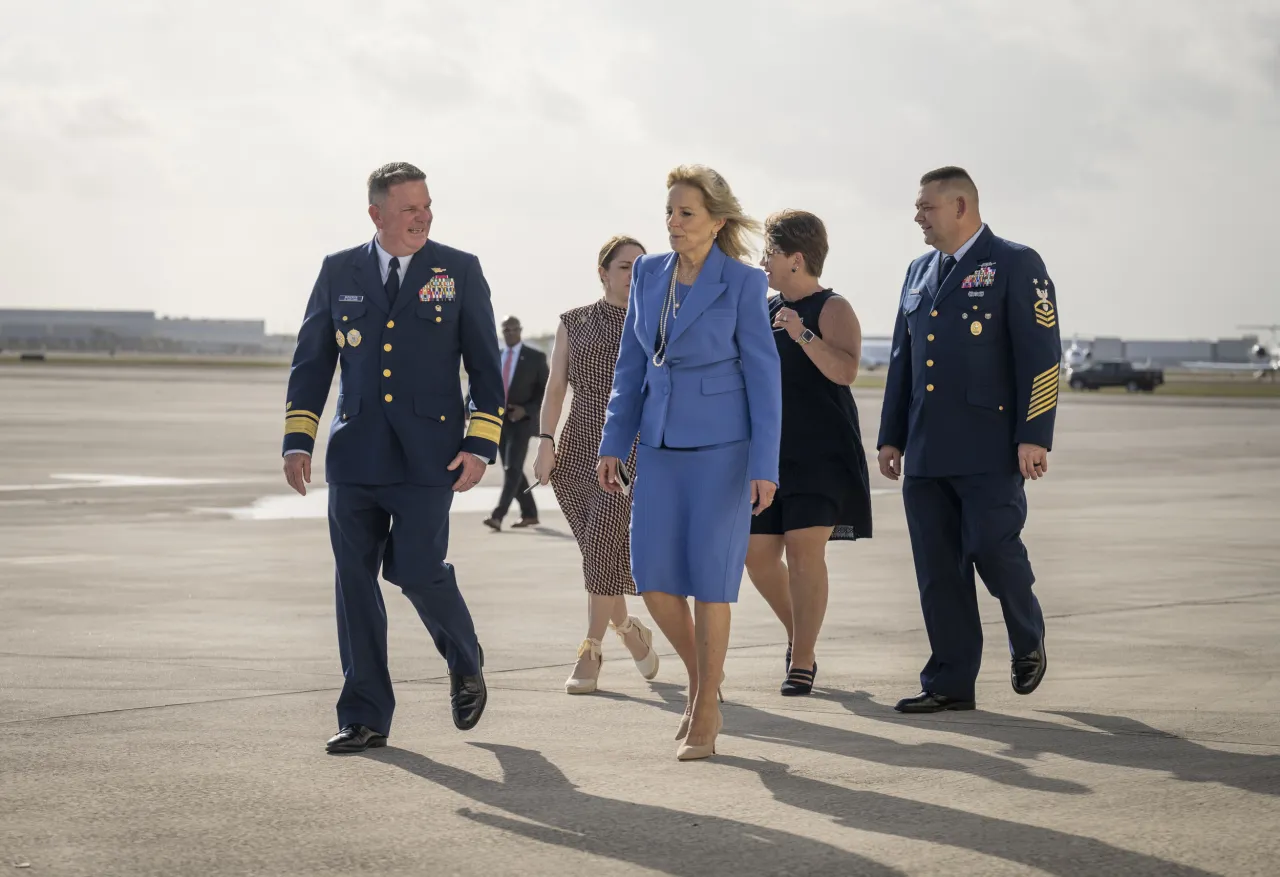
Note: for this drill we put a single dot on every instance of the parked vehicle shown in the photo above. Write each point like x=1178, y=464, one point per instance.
x=1114, y=373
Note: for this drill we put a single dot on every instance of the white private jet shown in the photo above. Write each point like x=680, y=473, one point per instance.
x=1264, y=358
x=1076, y=356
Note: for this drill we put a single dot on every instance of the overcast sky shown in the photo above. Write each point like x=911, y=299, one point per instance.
x=199, y=158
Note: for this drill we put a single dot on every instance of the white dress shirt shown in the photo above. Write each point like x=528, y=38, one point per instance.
x=384, y=262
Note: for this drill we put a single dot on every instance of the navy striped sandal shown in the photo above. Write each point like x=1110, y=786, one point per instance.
x=799, y=682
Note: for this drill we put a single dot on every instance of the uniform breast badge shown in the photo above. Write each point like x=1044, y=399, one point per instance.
x=1045, y=314
x=342, y=342
x=975, y=328
x=439, y=288
x=353, y=337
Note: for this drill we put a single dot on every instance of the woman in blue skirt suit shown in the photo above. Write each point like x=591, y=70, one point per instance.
x=698, y=379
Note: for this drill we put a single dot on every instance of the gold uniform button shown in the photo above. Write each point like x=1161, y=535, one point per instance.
x=387, y=348
x=344, y=319
x=933, y=313
x=930, y=338
x=437, y=319
x=1001, y=407
x=442, y=417
x=391, y=324
x=929, y=362
x=386, y=398
x=929, y=387
x=386, y=372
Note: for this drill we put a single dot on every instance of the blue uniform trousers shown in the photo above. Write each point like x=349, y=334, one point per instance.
x=404, y=529
x=958, y=524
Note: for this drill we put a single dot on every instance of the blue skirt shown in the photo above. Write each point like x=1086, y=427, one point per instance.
x=691, y=521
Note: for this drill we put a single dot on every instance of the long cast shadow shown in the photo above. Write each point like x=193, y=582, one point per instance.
x=669, y=841
x=1052, y=851
x=756, y=724
x=1126, y=743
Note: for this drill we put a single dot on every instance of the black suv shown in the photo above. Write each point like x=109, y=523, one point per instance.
x=1114, y=373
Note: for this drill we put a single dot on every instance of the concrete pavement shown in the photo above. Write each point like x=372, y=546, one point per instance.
x=168, y=669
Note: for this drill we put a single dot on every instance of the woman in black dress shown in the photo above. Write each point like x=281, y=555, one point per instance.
x=823, y=492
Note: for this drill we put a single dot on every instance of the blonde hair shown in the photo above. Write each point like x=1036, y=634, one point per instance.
x=721, y=203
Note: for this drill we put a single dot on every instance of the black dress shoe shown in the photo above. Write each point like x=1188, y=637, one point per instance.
x=494, y=524
x=355, y=738
x=787, y=663
x=928, y=702
x=1027, y=671
x=468, y=696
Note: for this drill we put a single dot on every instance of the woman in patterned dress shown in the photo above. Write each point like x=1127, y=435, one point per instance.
x=586, y=348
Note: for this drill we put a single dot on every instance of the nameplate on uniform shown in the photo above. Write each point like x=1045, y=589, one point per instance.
x=351, y=298
x=439, y=288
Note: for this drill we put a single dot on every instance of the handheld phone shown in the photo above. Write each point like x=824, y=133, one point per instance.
x=624, y=478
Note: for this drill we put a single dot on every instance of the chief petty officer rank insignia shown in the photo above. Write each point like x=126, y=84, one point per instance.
x=1045, y=314
x=439, y=288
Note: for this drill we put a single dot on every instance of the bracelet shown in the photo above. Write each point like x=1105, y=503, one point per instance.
x=550, y=438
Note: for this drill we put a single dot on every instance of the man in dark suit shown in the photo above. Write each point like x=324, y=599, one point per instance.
x=524, y=375
x=969, y=401
x=400, y=314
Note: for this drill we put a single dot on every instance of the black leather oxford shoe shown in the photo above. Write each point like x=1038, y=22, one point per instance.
x=355, y=738
x=928, y=702
x=468, y=696
x=1027, y=671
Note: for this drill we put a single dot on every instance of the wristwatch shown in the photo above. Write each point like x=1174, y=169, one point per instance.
x=805, y=337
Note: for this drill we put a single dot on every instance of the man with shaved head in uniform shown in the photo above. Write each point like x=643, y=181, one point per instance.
x=968, y=416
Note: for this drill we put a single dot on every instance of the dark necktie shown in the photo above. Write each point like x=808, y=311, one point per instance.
x=944, y=267
x=393, y=281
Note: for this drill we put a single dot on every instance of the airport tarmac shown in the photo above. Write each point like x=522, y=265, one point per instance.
x=168, y=668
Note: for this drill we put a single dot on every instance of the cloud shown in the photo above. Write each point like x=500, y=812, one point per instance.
x=236, y=137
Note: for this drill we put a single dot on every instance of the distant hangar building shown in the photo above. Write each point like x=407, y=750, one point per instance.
x=30, y=330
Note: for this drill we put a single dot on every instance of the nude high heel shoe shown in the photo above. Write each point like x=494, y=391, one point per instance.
x=648, y=665
x=586, y=684
x=683, y=730
x=686, y=752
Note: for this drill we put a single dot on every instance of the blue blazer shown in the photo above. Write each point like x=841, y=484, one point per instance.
x=721, y=380
x=400, y=414
x=974, y=368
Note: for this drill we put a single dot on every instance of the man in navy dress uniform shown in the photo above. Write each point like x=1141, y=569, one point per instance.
x=969, y=407
x=400, y=314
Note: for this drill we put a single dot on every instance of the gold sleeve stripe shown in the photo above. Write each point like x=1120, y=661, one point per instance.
x=301, y=413
x=1043, y=385
x=1037, y=401
x=1043, y=393
x=1042, y=407
x=483, y=416
x=483, y=429
x=300, y=427
x=1047, y=373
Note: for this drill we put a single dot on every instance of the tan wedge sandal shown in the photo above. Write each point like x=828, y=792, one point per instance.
x=586, y=684
x=648, y=665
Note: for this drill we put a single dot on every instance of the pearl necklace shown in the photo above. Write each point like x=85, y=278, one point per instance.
x=669, y=306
